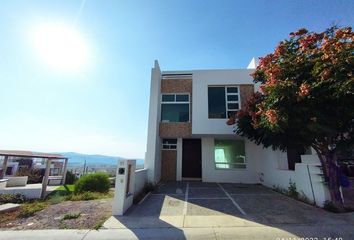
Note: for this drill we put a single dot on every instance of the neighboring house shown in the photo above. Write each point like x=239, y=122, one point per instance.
x=16, y=164
x=188, y=138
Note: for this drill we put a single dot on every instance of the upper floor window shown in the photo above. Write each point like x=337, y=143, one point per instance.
x=223, y=101
x=175, y=108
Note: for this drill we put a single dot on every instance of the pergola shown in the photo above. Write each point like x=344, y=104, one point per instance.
x=27, y=154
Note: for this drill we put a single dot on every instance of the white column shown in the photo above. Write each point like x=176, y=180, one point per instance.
x=125, y=187
x=153, y=148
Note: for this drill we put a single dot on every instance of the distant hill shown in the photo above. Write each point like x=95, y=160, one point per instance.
x=76, y=159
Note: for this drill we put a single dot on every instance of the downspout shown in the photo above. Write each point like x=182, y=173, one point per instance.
x=313, y=193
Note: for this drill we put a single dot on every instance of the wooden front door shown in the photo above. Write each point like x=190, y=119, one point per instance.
x=191, y=158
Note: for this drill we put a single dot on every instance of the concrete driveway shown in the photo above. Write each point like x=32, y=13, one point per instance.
x=195, y=210
x=185, y=205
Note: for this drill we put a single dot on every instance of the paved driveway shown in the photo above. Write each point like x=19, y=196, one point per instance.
x=213, y=205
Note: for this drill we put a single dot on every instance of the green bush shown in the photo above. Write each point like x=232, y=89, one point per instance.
x=34, y=175
x=85, y=196
x=70, y=177
x=95, y=182
x=292, y=190
x=12, y=198
x=71, y=216
x=29, y=209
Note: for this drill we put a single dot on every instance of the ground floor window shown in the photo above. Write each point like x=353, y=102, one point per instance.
x=230, y=154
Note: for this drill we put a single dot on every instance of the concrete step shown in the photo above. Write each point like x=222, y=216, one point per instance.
x=8, y=207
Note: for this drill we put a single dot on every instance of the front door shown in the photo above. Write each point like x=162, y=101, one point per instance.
x=192, y=158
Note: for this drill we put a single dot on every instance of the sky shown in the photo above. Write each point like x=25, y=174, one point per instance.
x=101, y=106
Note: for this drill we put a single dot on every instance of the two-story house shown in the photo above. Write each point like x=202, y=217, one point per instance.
x=188, y=138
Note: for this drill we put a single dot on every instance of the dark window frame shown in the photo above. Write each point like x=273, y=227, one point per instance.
x=227, y=93
x=176, y=102
x=168, y=145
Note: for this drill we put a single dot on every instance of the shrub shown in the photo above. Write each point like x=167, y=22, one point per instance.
x=85, y=196
x=71, y=216
x=12, y=198
x=70, y=177
x=95, y=182
x=28, y=209
x=60, y=194
x=331, y=207
x=292, y=191
x=34, y=175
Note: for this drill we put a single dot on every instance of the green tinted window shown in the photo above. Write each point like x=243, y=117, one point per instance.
x=175, y=112
x=230, y=154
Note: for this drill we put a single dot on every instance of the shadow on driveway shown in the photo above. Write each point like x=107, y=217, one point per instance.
x=181, y=205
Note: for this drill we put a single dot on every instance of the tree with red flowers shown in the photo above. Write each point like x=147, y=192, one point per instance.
x=306, y=98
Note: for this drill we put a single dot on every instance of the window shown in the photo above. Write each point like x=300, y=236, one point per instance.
x=175, y=108
x=169, y=144
x=223, y=101
x=230, y=154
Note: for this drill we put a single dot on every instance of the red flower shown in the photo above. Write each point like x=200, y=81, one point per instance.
x=272, y=116
x=279, y=50
x=325, y=74
x=264, y=61
x=231, y=121
x=301, y=31
x=304, y=90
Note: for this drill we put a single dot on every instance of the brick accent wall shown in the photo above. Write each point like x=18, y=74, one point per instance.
x=168, y=165
x=246, y=91
x=176, y=86
x=175, y=130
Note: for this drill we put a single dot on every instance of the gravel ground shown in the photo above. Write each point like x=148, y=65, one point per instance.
x=92, y=213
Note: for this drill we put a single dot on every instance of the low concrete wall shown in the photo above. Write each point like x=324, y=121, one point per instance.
x=307, y=176
x=309, y=180
x=3, y=183
x=140, y=180
x=16, y=181
x=30, y=193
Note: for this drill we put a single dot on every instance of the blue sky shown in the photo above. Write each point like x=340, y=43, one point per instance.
x=103, y=107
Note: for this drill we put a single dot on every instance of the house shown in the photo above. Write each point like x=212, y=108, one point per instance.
x=188, y=138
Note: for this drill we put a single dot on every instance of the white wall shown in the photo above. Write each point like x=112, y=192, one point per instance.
x=140, y=180
x=271, y=172
x=201, y=124
x=30, y=193
x=210, y=174
x=153, y=153
x=272, y=175
x=308, y=173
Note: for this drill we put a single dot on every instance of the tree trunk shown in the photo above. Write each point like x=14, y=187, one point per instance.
x=331, y=172
x=334, y=178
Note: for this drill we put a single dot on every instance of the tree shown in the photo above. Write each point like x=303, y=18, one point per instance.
x=306, y=98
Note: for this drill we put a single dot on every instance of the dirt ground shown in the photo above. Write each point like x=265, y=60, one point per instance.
x=92, y=214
